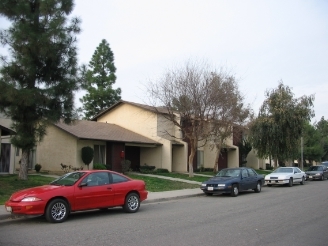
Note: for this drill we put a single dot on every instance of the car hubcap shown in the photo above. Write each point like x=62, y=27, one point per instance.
x=235, y=190
x=58, y=211
x=258, y=186
x=133, y=202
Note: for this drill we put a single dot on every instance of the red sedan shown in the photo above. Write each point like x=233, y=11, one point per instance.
x=77, y=191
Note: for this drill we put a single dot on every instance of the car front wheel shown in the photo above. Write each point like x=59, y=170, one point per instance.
x=302, y=182
x=132, y=203
x=290, y=183
x=258, y=187
x=57, y=211
x=234, y=190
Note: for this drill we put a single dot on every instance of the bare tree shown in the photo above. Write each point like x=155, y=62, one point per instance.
x=230, y=113
x=190, y=96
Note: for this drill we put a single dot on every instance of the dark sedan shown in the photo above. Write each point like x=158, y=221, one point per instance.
x=317, y=172
x=232, y=181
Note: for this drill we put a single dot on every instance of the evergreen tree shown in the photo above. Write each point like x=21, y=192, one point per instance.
x=38, y=80
x=99, y=82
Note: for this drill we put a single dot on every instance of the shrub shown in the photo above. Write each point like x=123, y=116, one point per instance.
x=161, y=170
x=87, y=155
x=98, y=166
x=147, y=169
x=125, y=166
x=37, y=167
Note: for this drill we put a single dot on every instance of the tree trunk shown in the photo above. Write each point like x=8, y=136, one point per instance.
x=191, y=162
x=216, y=163
x=275, y=163
x=23, y=165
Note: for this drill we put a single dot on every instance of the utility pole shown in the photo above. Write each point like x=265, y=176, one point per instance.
x=302, y=153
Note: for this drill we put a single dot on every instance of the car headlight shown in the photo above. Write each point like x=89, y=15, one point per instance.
x=31, y=199
x=203, y=184
x=221, y=185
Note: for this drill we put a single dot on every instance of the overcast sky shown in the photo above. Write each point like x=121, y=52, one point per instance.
x=261, y=42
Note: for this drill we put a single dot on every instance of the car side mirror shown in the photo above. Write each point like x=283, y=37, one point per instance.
x=83, y=184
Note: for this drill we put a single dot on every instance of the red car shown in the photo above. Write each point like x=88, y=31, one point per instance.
x=76, y=191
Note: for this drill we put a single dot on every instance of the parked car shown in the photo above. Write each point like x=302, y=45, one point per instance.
x=77, y=191
x=317, y=172
x=325, y=163
x=285, y=175
x=233, y=181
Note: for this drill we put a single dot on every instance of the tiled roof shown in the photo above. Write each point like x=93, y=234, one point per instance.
x=83, y=129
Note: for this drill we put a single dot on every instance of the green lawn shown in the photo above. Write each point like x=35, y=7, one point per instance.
x=186, y=176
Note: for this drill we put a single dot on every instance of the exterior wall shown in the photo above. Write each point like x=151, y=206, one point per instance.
x=57, y=147
x=233, y=157
x=254, y=162
x=180, y=158
x=148, y=124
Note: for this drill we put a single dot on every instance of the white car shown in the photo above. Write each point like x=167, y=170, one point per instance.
x=285, y=175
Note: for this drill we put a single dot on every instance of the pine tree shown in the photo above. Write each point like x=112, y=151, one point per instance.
x=99, y=82
x=38, y=80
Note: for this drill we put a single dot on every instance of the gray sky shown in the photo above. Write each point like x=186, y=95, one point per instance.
x=261, y=42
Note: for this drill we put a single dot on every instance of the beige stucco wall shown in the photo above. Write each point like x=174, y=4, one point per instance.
x=180, y=158
x=255, y=162
x=150, y=125
x=57, y=147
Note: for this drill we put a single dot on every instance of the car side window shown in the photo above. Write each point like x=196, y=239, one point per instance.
x=116, y=178
x=251, y=172
x=244, y=173
x=96, y=179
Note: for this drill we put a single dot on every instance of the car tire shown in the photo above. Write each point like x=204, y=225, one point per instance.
x=258, y=187
x=234, y=190
x=302, y=182
x=57, y=211
x=132, y=203
x=208, y=194
x=322, y=178
x=290, y=183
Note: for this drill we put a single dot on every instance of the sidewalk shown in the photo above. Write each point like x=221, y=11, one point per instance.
x=152, y=196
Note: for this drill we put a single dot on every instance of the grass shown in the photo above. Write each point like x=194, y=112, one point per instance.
x=186, y=176
x=10, y=183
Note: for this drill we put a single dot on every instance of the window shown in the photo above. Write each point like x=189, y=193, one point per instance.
x=118, y=178
x=251, y=172
x=17, y=151
x=96, y=179
x=200, y=158
x=99, y=154
x=244, y=173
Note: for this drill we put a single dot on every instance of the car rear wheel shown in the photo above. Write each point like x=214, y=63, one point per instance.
x=57, y=211
x=132, y=203
x=234, y=190
x=258, y=187
x=302, y=182
x=290, y=183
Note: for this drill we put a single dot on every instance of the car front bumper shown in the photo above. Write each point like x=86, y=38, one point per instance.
x=276, y=181
x=27, y=208
x=216, y=190
x=313, y=177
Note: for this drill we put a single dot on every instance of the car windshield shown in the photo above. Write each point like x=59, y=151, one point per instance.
x=68, y=179
x=283, y=170
x=315, y=168
x=228, y=173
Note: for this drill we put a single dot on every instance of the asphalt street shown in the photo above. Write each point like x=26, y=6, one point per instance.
x=277, y=216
